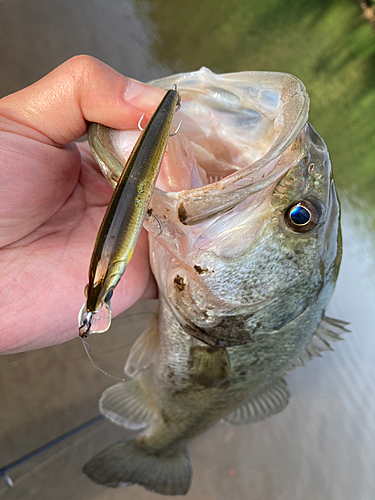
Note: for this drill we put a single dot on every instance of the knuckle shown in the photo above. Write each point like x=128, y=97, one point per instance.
x=82, y=67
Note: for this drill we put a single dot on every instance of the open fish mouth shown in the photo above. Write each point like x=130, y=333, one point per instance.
x=235, y=127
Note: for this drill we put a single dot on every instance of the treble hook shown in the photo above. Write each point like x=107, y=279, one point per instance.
x=177, y=129
x=151, y=214
x=178, y=105
x=140, y=121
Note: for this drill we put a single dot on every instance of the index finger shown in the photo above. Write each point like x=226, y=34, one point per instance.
x=81, y=90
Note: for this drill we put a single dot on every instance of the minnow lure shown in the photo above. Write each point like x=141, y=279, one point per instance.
x=123, y=220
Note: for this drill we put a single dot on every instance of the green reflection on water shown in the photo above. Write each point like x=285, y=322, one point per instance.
x=327, y=44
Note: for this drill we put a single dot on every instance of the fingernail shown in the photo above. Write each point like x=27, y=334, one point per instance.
x=142, y=96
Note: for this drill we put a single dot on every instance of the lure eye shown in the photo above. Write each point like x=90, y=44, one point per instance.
x=302, y=217
x=108, y=296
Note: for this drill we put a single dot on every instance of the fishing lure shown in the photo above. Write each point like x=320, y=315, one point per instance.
x=123, y=220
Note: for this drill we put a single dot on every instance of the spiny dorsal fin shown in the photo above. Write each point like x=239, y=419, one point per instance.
x=126, y=404
x=329, y=330
x=269, y=401
x=144, y=349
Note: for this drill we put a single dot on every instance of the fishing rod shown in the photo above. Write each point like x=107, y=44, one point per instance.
x=25, y=458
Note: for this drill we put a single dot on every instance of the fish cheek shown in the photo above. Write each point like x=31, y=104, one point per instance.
x=209, y=364
x=214, y=331
x=180, y=298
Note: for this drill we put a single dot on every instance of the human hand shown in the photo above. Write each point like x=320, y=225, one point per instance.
x=53, y=198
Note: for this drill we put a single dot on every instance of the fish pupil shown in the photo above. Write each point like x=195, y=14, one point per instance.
x=108, y=296
x=299, y=215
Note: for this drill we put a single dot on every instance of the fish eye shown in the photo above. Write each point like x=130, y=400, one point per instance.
x=302, y=217
x=108, y=296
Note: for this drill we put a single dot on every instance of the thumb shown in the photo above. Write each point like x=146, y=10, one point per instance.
x=81, y=90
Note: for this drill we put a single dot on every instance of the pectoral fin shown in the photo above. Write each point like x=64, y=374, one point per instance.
x=269, y=401
x=209, y=365
x=144, y=349
x=126, y=404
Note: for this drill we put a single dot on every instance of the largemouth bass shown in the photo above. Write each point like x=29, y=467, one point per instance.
x=245, y=265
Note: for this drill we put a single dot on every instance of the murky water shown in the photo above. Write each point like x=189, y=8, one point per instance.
x=323, y=445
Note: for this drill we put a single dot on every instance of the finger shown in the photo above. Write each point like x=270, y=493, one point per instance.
x=81, y=90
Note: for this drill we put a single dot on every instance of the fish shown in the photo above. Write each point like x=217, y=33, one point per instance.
x=246, y=264
x=123, y=220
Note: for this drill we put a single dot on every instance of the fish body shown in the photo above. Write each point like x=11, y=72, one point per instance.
x=246, y=263
x=123, y=220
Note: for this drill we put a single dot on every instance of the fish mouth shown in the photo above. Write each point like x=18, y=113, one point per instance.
x=240, y=124
x=236, y=129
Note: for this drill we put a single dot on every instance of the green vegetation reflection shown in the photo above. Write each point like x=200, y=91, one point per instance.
x=327, y=44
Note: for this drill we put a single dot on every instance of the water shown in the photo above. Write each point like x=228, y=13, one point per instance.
x=322, y=446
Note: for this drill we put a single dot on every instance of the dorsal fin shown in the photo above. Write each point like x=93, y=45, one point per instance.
x=271, y=400
x=329, y=330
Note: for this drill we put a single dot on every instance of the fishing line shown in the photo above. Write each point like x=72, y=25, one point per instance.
x=88, y=349
x=4, y=471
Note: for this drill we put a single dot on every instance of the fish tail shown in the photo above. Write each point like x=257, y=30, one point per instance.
x=126, y=462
